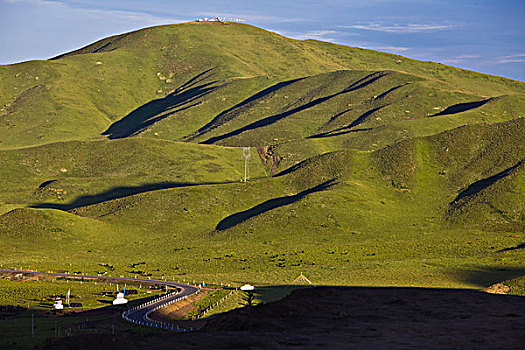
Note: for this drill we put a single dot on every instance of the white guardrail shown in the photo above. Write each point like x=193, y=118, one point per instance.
x=152, y=323
x=166, y=325
x=217, y=303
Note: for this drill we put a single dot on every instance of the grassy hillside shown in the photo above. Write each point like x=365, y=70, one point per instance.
x=170, y=81
x=387, y=170
x=379, y=218
x=74, y=173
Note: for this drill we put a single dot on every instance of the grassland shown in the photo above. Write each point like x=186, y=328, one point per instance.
x=383, y=205
x=29, y=301
x=517, y=285
x=389, y=171
x=30, y=294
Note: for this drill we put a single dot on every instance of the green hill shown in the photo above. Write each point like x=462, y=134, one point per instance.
x=173, y=80
x=366, y=168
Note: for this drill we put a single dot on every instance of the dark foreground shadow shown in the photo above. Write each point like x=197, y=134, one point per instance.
x=271, y=204
x=184, y=97
x=118, y=192
x=341, y=318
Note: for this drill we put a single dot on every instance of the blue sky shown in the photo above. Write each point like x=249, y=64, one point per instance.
x=482, y=35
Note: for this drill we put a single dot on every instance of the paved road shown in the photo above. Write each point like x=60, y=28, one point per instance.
x=140, y=314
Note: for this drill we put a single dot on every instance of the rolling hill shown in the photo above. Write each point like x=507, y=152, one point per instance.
x=366, y=168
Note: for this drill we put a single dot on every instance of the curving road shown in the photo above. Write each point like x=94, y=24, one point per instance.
x=138, y=314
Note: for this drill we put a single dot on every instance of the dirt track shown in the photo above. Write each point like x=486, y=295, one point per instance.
x=360, y=318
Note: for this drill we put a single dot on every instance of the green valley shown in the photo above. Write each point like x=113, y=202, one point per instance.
x=366, y=168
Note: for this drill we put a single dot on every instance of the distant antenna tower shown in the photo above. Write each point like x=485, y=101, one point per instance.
x=246, y=154
x=302, y=278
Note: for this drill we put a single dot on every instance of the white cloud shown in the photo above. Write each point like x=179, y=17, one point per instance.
x=322, y=35
x=515, y=58
x=53, y=27
x=381, y=46
x=516, y=55
x=115, y=15
x=391, y=48
x=402, y=28
x=451, y=60
x=467, y=56
x=511, y=60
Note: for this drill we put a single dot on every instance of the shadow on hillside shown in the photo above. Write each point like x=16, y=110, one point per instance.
x=271, y=204
x=484, y=183
x=46, y=183
x=363, y=117
x=43, y=186
x=347, y=128
x=384, y=94
x=462, y=107
x=293, y=167
x=233, y=112
x=182, y=98
x=118, y=192
x=336, y=133
x=518, y=247
x=486, y=276
x=369, y=79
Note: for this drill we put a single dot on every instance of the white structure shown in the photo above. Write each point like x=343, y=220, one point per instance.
x=58, y=305
x=246, y=155
x=247, y=287
x=302, y=278
x=120, y=299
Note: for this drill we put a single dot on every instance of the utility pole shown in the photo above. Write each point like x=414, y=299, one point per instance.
x=246, y=154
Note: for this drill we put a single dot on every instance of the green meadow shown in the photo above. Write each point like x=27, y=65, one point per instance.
x=37, y=295
x=366, y=168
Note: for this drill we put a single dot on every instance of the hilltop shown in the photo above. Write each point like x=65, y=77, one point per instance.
x=182, y=81
x=367, y=168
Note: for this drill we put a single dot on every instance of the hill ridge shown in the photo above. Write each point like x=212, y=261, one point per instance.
x=131, y=149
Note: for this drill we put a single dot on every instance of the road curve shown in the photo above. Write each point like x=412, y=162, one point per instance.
x=139, y=314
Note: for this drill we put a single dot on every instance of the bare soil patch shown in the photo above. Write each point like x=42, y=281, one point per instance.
x=498, y=288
